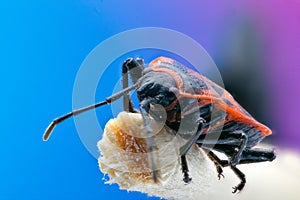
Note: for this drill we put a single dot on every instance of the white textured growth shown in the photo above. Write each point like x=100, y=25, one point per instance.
x=127, y=164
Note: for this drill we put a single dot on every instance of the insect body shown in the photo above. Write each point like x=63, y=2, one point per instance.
x=195, y=108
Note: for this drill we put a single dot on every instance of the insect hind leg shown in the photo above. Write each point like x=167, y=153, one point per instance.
x=224, y=163
x=241, y=176
x=248, y=156
x=231, y=143
x=257, y=155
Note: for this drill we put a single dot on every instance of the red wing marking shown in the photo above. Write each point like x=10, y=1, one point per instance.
x=210, y=96
x=234, y=110
x=155, y=63
x=235, y=114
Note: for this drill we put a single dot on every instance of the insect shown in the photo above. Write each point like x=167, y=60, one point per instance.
x=196, y=108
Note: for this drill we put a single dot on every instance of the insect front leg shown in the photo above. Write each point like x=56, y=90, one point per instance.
x=184, y=149
x=185, y=169
x=144, y=108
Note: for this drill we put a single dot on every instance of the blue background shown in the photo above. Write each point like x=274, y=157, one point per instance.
x=43, y=44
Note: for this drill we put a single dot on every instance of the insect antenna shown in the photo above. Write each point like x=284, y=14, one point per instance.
x=109, y=100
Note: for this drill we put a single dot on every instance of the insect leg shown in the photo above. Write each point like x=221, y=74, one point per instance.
x=224, y=163
x=231, y=143
x=248, y=156
x=235, y=159
x=133, y=67
x=241, y=176
x=217, y=161
x=185, y=169
x=184, y=149
x=144, y=107
x=257, y=155
x=81, y=110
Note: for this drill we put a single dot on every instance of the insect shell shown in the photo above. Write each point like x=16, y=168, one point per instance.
x=196, y=108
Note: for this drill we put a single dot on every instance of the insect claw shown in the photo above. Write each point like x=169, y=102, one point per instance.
x=234, y=190
x=220, y=176
x=238, y=188
x=187, y=179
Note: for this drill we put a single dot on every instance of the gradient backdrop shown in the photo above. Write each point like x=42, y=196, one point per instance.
x=255, y=44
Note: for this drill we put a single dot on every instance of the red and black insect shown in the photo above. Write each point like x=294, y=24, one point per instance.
x=196, y=108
